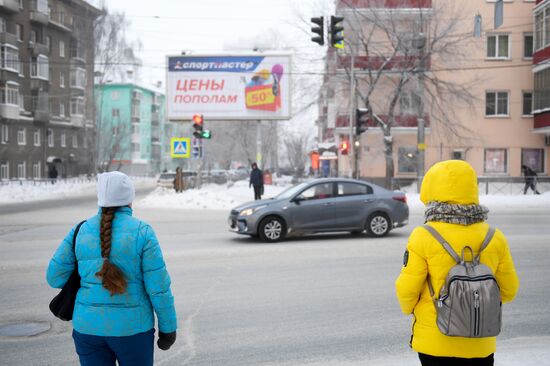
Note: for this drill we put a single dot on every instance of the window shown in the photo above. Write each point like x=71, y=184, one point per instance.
x=22, y=136
x=21, y=168
x=49, y=42
x=318, y=191
x=3, y=27
x=459, y=155
x=61, y=79
x=9, y=94
x=406, y=162
x=116, y=112
x=136, y=94
x=409, y=103
x=33, y=36
x=61, y=49
x=77, y=106
x=135, y=148
x=542, y=89
x=5, y=170
x=50, y=137
x=4, y=134
x=63, y=139
x=36, y=170
x=135, y=129
x=62, y=109
x=135, y=110
x=353, y=189
x=78, y=78
x=85, y=140
x=10, y=58
x=40, y=6
x=36, y=137
x=115, y=95
x=538, y=30
x=527, y=108
x=19, y=32
x=495, y=161
x=528, y=45
x=75, y=140
x=40, y=67
x=61, y=17
x=498, y=46
x=533, y=158
x=496, y=104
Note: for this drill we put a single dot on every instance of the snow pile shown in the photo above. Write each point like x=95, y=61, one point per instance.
x=24, y=191
x=210, y=196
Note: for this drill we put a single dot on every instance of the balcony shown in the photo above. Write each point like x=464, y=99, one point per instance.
x=136, y=138
x=11, y=6
x=40, y=107
x=38, y=17
x=8, y=111
x=155, y=119
x=60, y=23
x=8, y=38
x=342, y=121
x=38, y=48
x=40, y=84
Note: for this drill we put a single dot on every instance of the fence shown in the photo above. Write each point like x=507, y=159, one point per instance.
x=66, y=181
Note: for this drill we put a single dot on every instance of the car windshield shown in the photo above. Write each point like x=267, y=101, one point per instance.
x=289, y=192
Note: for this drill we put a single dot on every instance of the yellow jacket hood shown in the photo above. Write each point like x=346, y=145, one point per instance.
x=451, y=181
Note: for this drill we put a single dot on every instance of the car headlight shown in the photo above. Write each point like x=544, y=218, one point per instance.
x=250, y=211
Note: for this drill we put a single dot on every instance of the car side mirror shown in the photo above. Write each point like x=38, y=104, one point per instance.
x=298, y=199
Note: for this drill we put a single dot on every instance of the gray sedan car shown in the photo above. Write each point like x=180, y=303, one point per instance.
x=322, y=205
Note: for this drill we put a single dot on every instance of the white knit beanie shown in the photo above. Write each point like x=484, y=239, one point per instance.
x=114, y=189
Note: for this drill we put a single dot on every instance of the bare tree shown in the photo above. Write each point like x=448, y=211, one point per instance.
x=297, y=146
x=393, y=56
x=114, y=55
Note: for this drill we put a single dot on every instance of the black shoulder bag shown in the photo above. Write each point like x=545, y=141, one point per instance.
x=62, y=305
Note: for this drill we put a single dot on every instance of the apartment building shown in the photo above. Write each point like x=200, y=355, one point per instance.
x=130, y=128
x=541, y=70
x=46, y=79
x=497, y=131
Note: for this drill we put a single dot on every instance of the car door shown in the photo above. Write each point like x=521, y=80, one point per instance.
x=314, y=208
x=351, y=204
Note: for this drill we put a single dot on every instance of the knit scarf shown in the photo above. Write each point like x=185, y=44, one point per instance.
x=455, y=214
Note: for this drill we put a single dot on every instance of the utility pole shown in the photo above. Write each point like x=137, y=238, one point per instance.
x=352, y=148
x=421, y=145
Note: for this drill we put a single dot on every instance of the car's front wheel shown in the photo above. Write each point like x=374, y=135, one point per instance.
x=272, y=229
x=378, y=225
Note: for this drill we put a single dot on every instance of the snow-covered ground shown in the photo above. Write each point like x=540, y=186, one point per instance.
x=224, y=196
x=25, y=191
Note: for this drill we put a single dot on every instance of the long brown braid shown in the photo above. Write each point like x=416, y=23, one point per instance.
x=112, y=277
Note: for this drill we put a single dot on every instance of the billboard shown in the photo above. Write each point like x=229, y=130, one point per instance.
x=247, y=87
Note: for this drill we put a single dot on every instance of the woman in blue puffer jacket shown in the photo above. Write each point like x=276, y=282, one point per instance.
x=123, y=280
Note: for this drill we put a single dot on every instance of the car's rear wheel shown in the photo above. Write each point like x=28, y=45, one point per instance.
x=378, y=225
x=272, y=229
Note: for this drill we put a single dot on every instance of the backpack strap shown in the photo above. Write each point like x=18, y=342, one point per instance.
x=76, y=230
x=443, y=242
x=486, y=242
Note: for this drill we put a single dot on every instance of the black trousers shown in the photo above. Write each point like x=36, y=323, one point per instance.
x=530, y=185
x=257, y=192
x=427, y=360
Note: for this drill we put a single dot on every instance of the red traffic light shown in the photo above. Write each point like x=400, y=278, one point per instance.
x=198, y=119
x=344, y=148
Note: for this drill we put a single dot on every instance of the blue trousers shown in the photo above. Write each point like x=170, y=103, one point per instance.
x=135, y=350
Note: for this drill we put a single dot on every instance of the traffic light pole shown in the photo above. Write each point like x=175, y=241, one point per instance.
x=353, y=157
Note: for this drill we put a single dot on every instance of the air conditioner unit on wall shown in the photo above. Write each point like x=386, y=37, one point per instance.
x=547, y=140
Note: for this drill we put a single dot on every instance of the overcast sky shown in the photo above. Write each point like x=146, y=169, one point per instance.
x=168, y=27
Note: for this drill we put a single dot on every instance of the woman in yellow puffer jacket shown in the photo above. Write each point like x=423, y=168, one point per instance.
x=450, y=193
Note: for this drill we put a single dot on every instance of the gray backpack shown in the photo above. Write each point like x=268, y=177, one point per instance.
x=469, y=303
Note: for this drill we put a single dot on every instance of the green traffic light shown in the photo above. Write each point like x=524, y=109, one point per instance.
x=206, y=134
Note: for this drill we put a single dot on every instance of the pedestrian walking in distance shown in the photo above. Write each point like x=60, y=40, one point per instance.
x=178, y=180
x=257, y=181
x=530, y=179
x=124, y=281
x=450, y=192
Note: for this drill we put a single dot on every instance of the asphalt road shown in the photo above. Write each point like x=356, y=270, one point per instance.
x=320, y=300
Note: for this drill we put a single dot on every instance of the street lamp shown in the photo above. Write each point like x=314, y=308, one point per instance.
x=419, y=42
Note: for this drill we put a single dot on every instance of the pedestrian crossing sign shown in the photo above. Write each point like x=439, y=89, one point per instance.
x=179, y=147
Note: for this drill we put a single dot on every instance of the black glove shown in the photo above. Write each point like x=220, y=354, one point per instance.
x=166, y=340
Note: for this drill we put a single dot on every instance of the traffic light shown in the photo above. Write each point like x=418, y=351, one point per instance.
x=361, y=120
x=198, y=125
x=336, y=31
x=319, y=30
x=344, y=147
